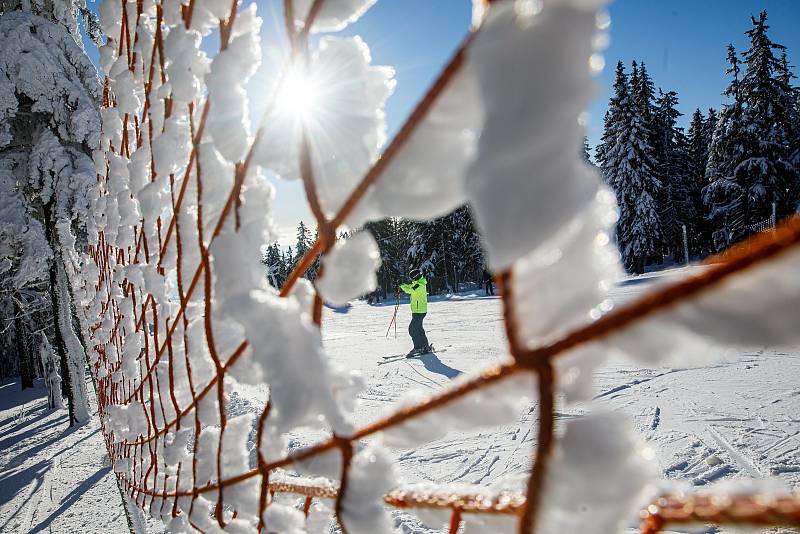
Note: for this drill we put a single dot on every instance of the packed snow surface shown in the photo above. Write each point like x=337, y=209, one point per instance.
x=732, y=415
x=53, y=477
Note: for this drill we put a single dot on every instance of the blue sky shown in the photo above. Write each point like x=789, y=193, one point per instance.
x=683, y=43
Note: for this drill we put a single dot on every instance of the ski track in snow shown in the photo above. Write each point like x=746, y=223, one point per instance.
x=738, y=416
x=52, y=477
x=734, y=417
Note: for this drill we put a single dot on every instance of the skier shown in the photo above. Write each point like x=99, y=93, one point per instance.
x=488, y=283
x=418, y=289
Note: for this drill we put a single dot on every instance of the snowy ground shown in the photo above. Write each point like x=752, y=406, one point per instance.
x=736, y=417
x=52, y=477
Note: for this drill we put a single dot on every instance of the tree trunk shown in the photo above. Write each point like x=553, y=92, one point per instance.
x=61, y=349
x=72, y=365
x=26, y=369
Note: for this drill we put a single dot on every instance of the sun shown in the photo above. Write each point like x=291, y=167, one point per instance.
x=298, y=93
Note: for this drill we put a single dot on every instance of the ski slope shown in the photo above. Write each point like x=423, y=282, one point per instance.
x=743, y=410
x=738, y=417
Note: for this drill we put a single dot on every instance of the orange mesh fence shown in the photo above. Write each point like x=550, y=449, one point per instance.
x=167, y=357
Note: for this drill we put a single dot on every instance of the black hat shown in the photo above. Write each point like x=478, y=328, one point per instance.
x=414, y=274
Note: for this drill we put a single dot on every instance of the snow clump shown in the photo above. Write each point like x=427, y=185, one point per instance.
x=349, y=269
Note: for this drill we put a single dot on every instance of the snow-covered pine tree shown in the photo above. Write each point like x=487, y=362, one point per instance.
x=49, y=125
x=311, y=273
x=629, y=169
x=711, y=123
x=599, y=150
x=303, y=242
x=645, y=96
x=749, y=157
x=466, y=258
x=392, y=236
x=680, y=192
x=288, y=259
x=697, y=159
x=698, y=147
x=766, y=95
x=723, y=196
x=586, y=156
x=24, y=254
x=786, y=76
x=447, y=250
x=274, y=265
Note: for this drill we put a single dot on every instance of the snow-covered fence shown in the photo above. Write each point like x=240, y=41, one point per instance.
x=178, y=311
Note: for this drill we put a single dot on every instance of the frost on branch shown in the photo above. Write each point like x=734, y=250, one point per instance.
x=350, y=269
x=43, y=63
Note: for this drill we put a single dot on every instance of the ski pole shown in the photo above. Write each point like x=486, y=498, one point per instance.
x=394, y=316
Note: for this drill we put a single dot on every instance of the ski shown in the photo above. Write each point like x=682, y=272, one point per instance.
x=394, y=357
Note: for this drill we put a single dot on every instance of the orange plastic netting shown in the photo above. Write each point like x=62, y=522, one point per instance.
x=157, y=488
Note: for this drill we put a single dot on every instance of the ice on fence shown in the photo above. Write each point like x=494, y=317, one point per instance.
x=338, y=98
x=319, y=518
x=597, y=473
x=333, y=15
x=186, y=64
x=282, y=518
x=229, y=124
x=494, y=405
x=111, y=18
x=424, y=180
x=207, y=14
x=753, y=308
x=371, y=475
x=528, y=180
x=580, y=256
x=350, y=269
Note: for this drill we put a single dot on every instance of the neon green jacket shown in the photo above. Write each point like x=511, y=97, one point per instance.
x=419, y=295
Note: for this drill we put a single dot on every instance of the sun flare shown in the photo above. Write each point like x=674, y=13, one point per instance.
x=298, y=93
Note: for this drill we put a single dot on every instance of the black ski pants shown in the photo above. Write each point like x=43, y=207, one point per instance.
x=417, y=332
x=488, y=287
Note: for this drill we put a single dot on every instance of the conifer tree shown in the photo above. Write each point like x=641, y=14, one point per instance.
x=751, y=150
x=724, y=196
x=303, y=243
x=708, y=133
x=274, y=265
x=680, y=194
x=587, y=158
x=393, y=238
x=698, y=147
x=697, y=159
x=447, y=250
x=792, y=104
x=629, y=169
x=645, y=97
x=49, y=125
